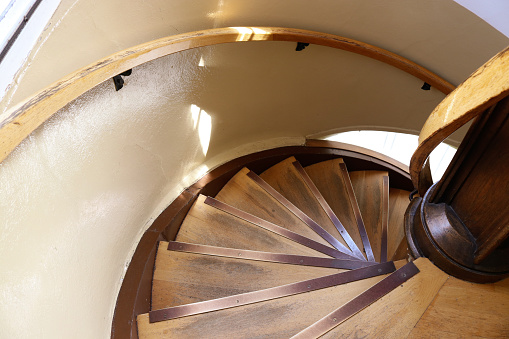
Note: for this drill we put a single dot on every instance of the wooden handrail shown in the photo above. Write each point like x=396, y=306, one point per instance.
x=23, y=119
x=482, y=89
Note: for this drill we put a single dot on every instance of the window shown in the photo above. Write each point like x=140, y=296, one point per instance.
x=399, y=146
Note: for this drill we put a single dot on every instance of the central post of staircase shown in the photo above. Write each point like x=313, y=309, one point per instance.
x=461, y=223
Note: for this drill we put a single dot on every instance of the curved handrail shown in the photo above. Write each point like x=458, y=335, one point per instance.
x=486, y=86
x=387, y=160
x=26, y=117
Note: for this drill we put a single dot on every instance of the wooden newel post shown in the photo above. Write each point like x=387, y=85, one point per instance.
x=462, y=222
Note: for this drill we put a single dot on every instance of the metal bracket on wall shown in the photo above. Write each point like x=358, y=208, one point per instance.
x=301, y=46
x=118, y=81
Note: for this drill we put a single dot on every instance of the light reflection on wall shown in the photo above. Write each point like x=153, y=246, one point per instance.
x=203, y=122
x=195, y=114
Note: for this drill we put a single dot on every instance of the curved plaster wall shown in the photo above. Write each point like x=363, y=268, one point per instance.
x=80, y=191
x=86, y=184
x=437, y=34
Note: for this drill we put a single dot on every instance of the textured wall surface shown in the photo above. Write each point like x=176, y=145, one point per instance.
x=79, y=192
x=438, y=34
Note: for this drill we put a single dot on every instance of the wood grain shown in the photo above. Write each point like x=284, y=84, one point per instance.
x=475, y=186
x=398, y=203
x=285, y=179
x=395, y=315
x=432, y=333
x=207, y=225
x=486, y=216
x=466, y=310
x=328, y=179
x=27, y=116
x=243, y=193
x=385, y=218
x=281, y=318
x=368, y=188
x=402, y=251
x=183, y=278
x=387, y=161
x=482, y=89
x=368, y=250
x=134, y=296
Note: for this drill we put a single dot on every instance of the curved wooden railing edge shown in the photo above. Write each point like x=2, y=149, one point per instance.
x=360, y=150
x=24, y=118
x=486, y=86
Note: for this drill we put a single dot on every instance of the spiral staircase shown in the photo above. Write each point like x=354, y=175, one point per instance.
x=308, y=249
x=247, y=256
x=302, y=252
x=319, y=240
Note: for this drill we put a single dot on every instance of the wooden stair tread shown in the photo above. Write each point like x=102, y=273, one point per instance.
x=463, y=309
x=207, y=225
x=402, y=251
x=285, y=179
x=203, y=277
x=281, y=318
x=433, y=333
x=398, y=203
x=395, y=314
x=430, y=304
x=328, y=179
x=243, y=193
x=368, y=188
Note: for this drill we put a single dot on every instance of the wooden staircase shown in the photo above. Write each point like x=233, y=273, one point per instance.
x=294, y=252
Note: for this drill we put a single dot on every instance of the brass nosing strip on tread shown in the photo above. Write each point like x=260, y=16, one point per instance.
x=385, y=219
x=268, y=256
x=330, y=213
x=278, y=229
x=301, y=215
x=360, y=302
x=357, y=212
x=270, y=293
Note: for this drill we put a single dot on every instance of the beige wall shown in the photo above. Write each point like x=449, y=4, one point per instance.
x=79, y=192
x=438, y=34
